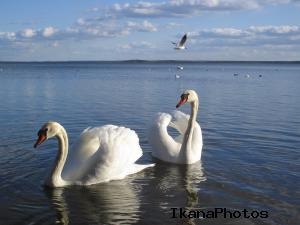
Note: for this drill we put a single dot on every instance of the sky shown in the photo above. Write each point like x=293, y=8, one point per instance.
x=65, y=30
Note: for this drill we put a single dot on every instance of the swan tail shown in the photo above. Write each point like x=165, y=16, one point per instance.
x=139, y=167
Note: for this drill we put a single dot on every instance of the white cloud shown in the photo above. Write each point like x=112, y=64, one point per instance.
x=10, y=36
x=274, y=29
x=183, y=8
x=125, y=19
x=48, y=32
x=173, y=25
x=179, y=8
x=81, y=21
x=145, y=26
x=227, y=32
x=137, y=45
x=251, y=36
x=28, y=33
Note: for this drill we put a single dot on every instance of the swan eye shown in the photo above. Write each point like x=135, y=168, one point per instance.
x=42, y=132
x=184, y=96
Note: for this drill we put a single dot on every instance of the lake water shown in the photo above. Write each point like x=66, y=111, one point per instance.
x=251, y=135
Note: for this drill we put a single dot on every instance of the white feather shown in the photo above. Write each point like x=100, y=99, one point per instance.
x=102, y=154
x=99, y=155
x=167, y=148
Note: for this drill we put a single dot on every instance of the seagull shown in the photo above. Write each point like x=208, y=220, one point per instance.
x=180, y=45
x=180, y=67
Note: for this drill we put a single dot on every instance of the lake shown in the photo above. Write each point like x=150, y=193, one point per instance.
x=250, y=164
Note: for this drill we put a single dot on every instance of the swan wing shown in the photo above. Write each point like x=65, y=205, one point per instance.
x=164, y=147
x=117, y=152
x=81, y=156
x=197, y=142
x=180, y=121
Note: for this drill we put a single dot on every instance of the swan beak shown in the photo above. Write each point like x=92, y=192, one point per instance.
x=182, y=101
x=40, y=140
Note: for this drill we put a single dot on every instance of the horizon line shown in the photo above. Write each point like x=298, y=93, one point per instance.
x=158, y=60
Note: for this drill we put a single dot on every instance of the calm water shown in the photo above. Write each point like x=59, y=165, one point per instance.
x=251, y=132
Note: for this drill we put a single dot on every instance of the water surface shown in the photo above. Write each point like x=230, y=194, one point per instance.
x=250, y=130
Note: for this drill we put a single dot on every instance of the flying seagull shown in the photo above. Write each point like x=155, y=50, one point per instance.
x=180, y=45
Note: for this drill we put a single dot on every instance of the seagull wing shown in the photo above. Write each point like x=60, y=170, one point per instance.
x=183, y=40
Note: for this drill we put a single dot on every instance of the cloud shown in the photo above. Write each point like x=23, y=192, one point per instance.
x=82, y=30
x=123, y=19
x=223, y=36
x=138, y=45
x=49, y=31
x=251, y=36
x=80, y=21
x=10, y=36
x=28, y=33
x=173, y=25
x=184, y=8
x=145, y=26
x=275, y=29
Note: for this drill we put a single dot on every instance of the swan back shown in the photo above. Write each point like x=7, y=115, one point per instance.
x=169, y=149
x=163, y=145
x=99, y=155
x=103, y=154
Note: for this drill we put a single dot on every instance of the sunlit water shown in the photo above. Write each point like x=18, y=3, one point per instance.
x=251, y=134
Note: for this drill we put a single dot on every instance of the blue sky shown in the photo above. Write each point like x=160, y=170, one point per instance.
x=56, y=30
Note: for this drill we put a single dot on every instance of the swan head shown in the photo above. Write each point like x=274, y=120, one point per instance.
x=187, y=96
x=48, y=130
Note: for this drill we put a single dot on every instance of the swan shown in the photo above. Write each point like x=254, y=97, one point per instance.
x=100, y=154
x=187, y=147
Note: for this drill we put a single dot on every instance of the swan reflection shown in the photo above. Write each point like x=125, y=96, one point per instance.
x=59, y=203
x=171, y=176
x=172, y=186
x=107, y=203
x=142, y=198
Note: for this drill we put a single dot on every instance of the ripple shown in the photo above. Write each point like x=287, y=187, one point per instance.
x=250, y=130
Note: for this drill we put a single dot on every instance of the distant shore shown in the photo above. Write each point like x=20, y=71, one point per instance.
x=157, y=61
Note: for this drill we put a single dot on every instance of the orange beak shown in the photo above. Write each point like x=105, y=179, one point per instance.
x=40, y=140
x=181, y=102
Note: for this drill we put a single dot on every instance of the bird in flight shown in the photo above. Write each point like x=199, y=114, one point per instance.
x=181, y=44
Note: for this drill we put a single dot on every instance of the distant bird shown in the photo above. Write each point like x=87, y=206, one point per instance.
x=260, y=75
x=180, y=45
x=236, y=74
x=180, y=67
x=177, y=76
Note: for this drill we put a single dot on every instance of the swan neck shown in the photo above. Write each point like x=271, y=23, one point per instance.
x=63, y=144
x=188, y=137
x=192, y=120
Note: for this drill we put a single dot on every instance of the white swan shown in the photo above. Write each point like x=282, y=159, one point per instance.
x=187, y=147
x=100, y=154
